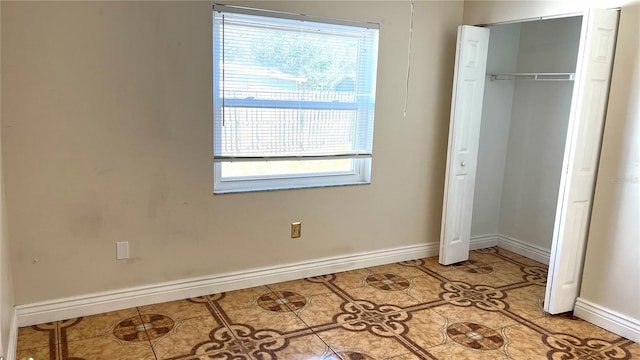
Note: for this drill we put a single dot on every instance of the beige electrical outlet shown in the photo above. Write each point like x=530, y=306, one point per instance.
x=296, y=230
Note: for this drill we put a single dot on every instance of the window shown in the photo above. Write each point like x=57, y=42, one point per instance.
x=293, y=100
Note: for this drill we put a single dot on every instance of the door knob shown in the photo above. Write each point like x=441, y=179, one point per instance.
x=463, y=163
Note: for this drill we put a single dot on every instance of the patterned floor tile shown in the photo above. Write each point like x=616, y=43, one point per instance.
x=40, y=353
x=354, y=355
x=488, y=278
x=574, y=327
x=426, y=288
x=224, y=355
x=627, y=350
x=527, y=344
x=240, y=299
x=423, y=328
x=402, y=270
x=499, y=251
x=528, y=262
x=409, y=356
x=259, y=323
x=194, y=336
x=453, y=350
x=476, y=266
x=433, y=265
x=349, y=279
x=365, y=339
x=526, y=302
x=328, y=309
x=107, y=348
x=308, y=347
x=492, y=319
x=96, y=325
x=179, y=310
x=37, y=336
x=484, y=257
x=489, y=307
x=303, y=287
x=515, y=273
x=633, y=349
x=142, y=328
x=383, y=290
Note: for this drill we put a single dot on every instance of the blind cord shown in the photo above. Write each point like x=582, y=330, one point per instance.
x=223, y=71
x=406, y=92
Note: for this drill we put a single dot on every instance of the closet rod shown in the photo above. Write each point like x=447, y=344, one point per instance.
x=534, y=76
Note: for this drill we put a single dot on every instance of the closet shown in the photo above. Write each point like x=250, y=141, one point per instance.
x=527, y=116
x=525, y=113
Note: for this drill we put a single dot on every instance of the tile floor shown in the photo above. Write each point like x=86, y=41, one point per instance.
x=489, y=307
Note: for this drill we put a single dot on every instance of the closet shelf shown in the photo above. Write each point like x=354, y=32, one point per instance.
x=534, y=76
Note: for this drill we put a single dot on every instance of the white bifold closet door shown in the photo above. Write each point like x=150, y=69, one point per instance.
x=582, y=153
x=464, y=136
x=582, y=150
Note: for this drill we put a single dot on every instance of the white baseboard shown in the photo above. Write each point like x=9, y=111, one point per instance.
x=483, y=241
x=608, y=319
x=90, y=304
x=12, y=347
x=533, y=252
x=519, y=247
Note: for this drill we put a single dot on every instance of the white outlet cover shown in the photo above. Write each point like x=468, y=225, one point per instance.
x=122, y=250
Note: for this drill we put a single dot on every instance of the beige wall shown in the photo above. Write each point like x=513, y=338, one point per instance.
x=611, y=276
x=6, y=285
x=493, y=11
x=612, y=271
x=106, y=136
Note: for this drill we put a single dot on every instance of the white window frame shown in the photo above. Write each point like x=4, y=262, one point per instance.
x=360, y=173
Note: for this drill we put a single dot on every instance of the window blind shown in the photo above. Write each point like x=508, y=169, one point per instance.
x=290, y=86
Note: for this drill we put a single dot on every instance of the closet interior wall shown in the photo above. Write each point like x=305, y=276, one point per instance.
x=523, y=131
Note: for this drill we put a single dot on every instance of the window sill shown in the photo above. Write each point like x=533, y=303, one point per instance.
x=285, y=187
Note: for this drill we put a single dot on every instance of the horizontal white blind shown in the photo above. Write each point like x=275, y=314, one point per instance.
x=290, y=86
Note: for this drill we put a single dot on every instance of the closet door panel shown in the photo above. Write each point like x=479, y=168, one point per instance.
x=581, y=160
x=464, y=133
